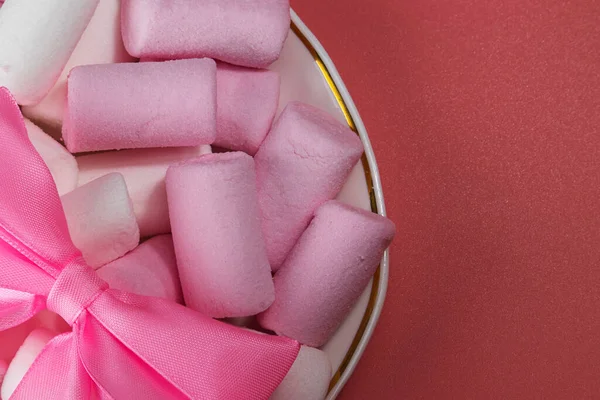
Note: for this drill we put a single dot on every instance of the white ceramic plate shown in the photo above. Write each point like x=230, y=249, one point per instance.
x=308, y=75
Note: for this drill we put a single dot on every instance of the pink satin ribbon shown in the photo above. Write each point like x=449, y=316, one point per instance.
x=123, y=346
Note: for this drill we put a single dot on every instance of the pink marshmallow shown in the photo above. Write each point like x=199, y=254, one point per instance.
x=149, y=270
x=101, y=219
x=141, y=105
x=308, y=379
x=28, y=352
x=144, y=171
x=244, y=33
x=304, y=161
x=11, y=339
x=101, y=43
x=220, y=250
x=60, y=162
x=326, y=272
x=247, y=100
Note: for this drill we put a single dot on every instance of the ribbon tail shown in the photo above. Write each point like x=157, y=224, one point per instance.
x=57, y=374
x=122, y=375
x=17, y=307
x=184, y=353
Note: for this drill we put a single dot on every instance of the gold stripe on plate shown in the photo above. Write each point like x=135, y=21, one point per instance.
x=377, y=276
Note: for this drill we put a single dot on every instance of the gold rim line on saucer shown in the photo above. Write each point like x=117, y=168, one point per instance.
x=376, y=277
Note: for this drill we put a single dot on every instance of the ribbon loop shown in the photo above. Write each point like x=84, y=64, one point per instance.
x=77, y=286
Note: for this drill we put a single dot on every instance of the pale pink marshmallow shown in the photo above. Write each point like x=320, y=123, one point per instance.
x=60, y=162
x=141, y=105
x=308, y=379
x=250, y=34
x=149, y=270
x=26, y=355
x=220, y=250
x=36, y=41
x=304, y=161
x=3, y=364
x=144, y=171
x=326, y=272
x=11, y=339
x=247, y=100
x=101, y=43
x=101, y=219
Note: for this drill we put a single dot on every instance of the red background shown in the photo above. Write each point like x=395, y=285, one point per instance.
x=484, y=117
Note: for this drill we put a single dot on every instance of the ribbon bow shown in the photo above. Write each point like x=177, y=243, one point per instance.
x=122, y=346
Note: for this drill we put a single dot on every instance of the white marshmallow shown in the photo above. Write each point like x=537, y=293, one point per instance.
x=36, y=41
x=101, y=219
x=26, y=355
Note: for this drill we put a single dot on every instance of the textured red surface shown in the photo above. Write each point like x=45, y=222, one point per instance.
x=484, y=117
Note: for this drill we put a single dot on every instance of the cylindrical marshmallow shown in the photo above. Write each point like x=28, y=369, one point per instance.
x=249, y=34
x=144, y=171
x=149, y=270
x=101, y=43
x=247, y=100
x=326, y=272
x=220, y=250
x=36, y=41
x=101, y=219
x=60, y=162
x=141, y=105
x=28, y=352
x=308, y=379
x=304, y=161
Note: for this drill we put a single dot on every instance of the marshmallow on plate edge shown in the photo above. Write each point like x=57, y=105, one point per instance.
x=144, y=171
x=101, y=43
x=101, y=220
x=36, y=41
x=237, y=32
x=60, y=162
x=141, y=105
x=326, y=272
x=215, y=222
x=26, y=355
x=149, y=270
x=247, y=100
x=308, y=379
x=304, y=161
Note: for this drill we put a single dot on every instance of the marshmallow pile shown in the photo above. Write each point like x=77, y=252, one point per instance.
x=139, y=90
